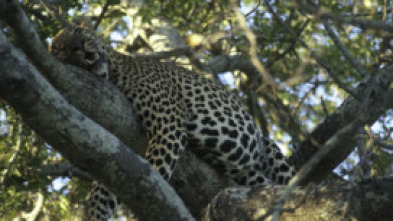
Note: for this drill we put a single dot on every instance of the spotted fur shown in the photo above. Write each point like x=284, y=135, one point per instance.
x=179, y=109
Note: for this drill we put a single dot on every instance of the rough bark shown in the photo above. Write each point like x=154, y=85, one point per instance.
x=107, y=106
x=363, y=202
x=85, y=143
x=193, y=179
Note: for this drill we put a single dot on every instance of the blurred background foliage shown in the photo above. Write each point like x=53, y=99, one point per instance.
x=35, y=185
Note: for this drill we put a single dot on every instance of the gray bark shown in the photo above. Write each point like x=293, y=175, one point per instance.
x=196, y=182
x=85, y=143
x=334, y=202
x=193, y=180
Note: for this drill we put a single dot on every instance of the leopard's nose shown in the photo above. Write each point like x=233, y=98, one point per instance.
x=92, y=56
x=101, y=58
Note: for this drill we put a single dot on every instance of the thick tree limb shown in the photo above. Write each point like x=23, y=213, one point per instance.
x=63, y=169
x=104, y=95
x=102, y=101
x=333, y=202
x=306, y=169
x=193, y=179
x=83, y=142
x=373, y=98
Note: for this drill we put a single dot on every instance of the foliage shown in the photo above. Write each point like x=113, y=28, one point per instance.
x=307, y=92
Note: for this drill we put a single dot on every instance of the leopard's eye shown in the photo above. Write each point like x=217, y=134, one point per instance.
x=79, y=45
x=90, y=56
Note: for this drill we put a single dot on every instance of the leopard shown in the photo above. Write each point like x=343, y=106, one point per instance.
x=178, y=109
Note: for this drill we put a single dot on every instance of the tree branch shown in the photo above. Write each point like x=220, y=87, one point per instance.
x=83, y=142
x=18, y=145
x=64, y=169
x=106, y=105
x=376, y=97
x=355, y=64
x=363, y=202
x=267, y=79
x=32, y=216
x=320, y=61
x=316, y=160
x=346, y=19
x=103, y=11
x=80, y=87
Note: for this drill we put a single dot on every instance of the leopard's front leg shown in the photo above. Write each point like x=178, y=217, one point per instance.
x=167, y=140
x=164, y=121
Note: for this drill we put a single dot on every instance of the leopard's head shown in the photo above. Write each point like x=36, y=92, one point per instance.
x=80, y=46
